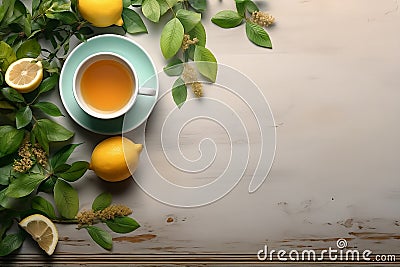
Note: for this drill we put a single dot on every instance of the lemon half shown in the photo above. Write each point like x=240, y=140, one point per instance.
x=42, y=230
x=24, y=75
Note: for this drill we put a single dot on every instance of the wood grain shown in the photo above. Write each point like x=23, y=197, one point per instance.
x=332, y=82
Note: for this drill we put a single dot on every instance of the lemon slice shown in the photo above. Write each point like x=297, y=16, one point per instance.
x=42, y=230
x=24, y=75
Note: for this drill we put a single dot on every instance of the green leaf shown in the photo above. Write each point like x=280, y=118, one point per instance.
x=54, y=131
x=26, y=22
x=198, y=5
x=200, y=33
x=206, y=63
x=166, y=5
x=5, y=174
x=23, y=117
x=9, y=14
x=5, y=7
x=13, y=95
x=227, y=19
x=189, y=19
x=66, y=17
x=258, y=35
x=66, y=199
x=80, y=37
x=62, y=155
x=7, y=56
x=102, y=201
x=48, y=83
x=41, y=136
x=133, y=23
x=48, y=185
x=171, y=38
x=136, y=2
x=122, y=225
x=86, y=31
x=6, y=105
x=30, y=48
x=101, y=237
x=76, y=171
x=251, y=6
x=174, y=67
x=11, y=243
x=41, y=204
x=4, y=200
x=6, y=224
x=126, y=3
x=62, y=168
x=74, y=4
x=24, y=185
x=48, y=108
x=241, y=7
x=10, y=140
x=35, y=5
x=179, y=92
x=151, y=10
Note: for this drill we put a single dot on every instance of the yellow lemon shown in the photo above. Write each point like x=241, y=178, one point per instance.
x=101, y=13
x=115, y=158
x=42, y=230
x=24, y=75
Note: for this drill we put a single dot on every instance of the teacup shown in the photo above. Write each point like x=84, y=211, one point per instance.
x=106, y=85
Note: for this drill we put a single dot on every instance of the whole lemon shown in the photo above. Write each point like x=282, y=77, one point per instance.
x=101, y=13
x=115, y=158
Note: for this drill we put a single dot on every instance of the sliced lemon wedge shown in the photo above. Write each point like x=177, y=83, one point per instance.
x=42, y=230
x=24, y=75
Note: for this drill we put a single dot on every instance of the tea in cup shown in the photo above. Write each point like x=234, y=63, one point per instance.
x=106, y=85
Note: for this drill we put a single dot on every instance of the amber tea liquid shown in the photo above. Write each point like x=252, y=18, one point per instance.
x=107, y=86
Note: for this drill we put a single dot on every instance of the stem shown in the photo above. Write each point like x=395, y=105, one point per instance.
x=65, y=221
x=186, y=55
x=171, y=8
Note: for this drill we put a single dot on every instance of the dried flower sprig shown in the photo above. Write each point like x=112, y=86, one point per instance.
x=89, y=217
x=262, y=18
x=187, y=42
x=190, y=77
x=28, y=156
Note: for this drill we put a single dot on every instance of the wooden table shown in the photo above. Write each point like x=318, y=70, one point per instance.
x=332, y=81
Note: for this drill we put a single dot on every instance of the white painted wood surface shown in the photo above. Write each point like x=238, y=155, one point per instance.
x=332, y=81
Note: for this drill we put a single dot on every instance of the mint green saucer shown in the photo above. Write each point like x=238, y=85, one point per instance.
x=144, y=67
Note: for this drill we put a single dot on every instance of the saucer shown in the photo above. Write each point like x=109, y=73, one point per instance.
x=147, y=76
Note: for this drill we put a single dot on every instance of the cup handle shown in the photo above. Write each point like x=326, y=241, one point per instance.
x=147, y=91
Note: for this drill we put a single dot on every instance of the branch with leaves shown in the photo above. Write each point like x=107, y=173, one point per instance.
x=183, y=37
x=29, y=166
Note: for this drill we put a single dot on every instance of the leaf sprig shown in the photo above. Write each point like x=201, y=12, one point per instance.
x=247, y=11
x=29, y=168
x=183, y=38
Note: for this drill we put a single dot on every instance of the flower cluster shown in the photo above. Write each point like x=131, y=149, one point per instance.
x=29, y=155
x=88, y=217
x=187, y=42
x=262, y=18
x=189, y=76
